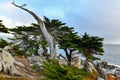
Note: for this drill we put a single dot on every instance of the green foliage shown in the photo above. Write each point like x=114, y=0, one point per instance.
x=30, y=38
x=17, y=51
x=36, y=68
x=44, y=43
x=27, y=38
x=87, y=45
x=93, y=42
x=90, y=45
x=92, y=57
x=28, y=29
x=3, y=43
x=54, y=71
x=54, y=23
x=55, y=27
x=3, y=28
x=69, y=42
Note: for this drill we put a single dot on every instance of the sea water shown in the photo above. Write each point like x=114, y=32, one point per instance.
x=111, y=54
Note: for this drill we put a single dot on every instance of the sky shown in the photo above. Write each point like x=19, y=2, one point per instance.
x=96, y=17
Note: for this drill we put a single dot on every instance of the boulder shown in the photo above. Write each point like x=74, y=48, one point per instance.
x=89, y=66
x=62, y=61
x=76, y=61
x=36, y=60
x=117, y=73
x=104, y=64
x=107, y=66
x=101, y=71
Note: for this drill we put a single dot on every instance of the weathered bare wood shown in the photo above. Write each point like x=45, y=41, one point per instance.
x=50, y=40
x=7, y=62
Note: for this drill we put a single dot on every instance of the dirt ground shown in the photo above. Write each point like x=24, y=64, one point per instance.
x=27, y=73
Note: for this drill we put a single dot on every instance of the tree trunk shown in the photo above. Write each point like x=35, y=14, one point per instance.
x=68, y=57
x=50, y=40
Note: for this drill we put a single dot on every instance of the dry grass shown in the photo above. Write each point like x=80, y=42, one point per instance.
x=11, y=78
x=91, y=76
x=26, y=72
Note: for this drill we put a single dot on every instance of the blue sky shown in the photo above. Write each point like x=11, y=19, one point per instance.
x=96, y=17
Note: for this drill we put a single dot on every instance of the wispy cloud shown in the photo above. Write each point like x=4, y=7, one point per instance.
x=97, y=17
x=13, y=16
x=7, y=22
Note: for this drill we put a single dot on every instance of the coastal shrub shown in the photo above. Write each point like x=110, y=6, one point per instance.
x=90, y=46
x=17, y=51
x=92, y=57
x=54, y=71
x=3, y=28
x=3, y=43
x=36, y=68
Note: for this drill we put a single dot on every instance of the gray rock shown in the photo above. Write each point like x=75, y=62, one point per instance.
x=101, y=71
x=107, y=66
x=99, y=78
x=36, y=60
x=117, y=73
x=90, y=66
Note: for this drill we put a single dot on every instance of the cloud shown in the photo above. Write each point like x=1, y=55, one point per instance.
x=97, y=17
x=5, y=36
x=13, y=16
x=6, y=6
x=7, y=22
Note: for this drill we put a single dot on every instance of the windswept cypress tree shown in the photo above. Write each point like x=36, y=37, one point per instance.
x=91, y=45
x=27, y=38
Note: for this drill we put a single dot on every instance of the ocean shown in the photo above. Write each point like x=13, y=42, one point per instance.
x=111, y=54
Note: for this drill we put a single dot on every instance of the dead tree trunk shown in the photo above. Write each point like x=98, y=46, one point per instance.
x=50, y=40
x=7, y=62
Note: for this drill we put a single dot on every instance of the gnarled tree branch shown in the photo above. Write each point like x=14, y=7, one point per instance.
x=50, y=40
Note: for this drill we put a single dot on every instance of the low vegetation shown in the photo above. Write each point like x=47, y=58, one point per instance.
x=53, y=70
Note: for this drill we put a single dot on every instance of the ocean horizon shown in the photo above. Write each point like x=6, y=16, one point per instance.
x=111, y=54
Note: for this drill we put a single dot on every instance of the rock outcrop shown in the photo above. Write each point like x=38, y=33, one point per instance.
x=101, y=71
x=7, y=62
x=117, y=73
x=36, y=60
x=76, y=61
x=107, y=71
x=89, y=66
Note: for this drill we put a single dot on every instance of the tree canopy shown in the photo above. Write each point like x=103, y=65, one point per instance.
x=3, y=28
x=30, y=39
x=90, y=45
x=3, y=43
x=27, y=38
